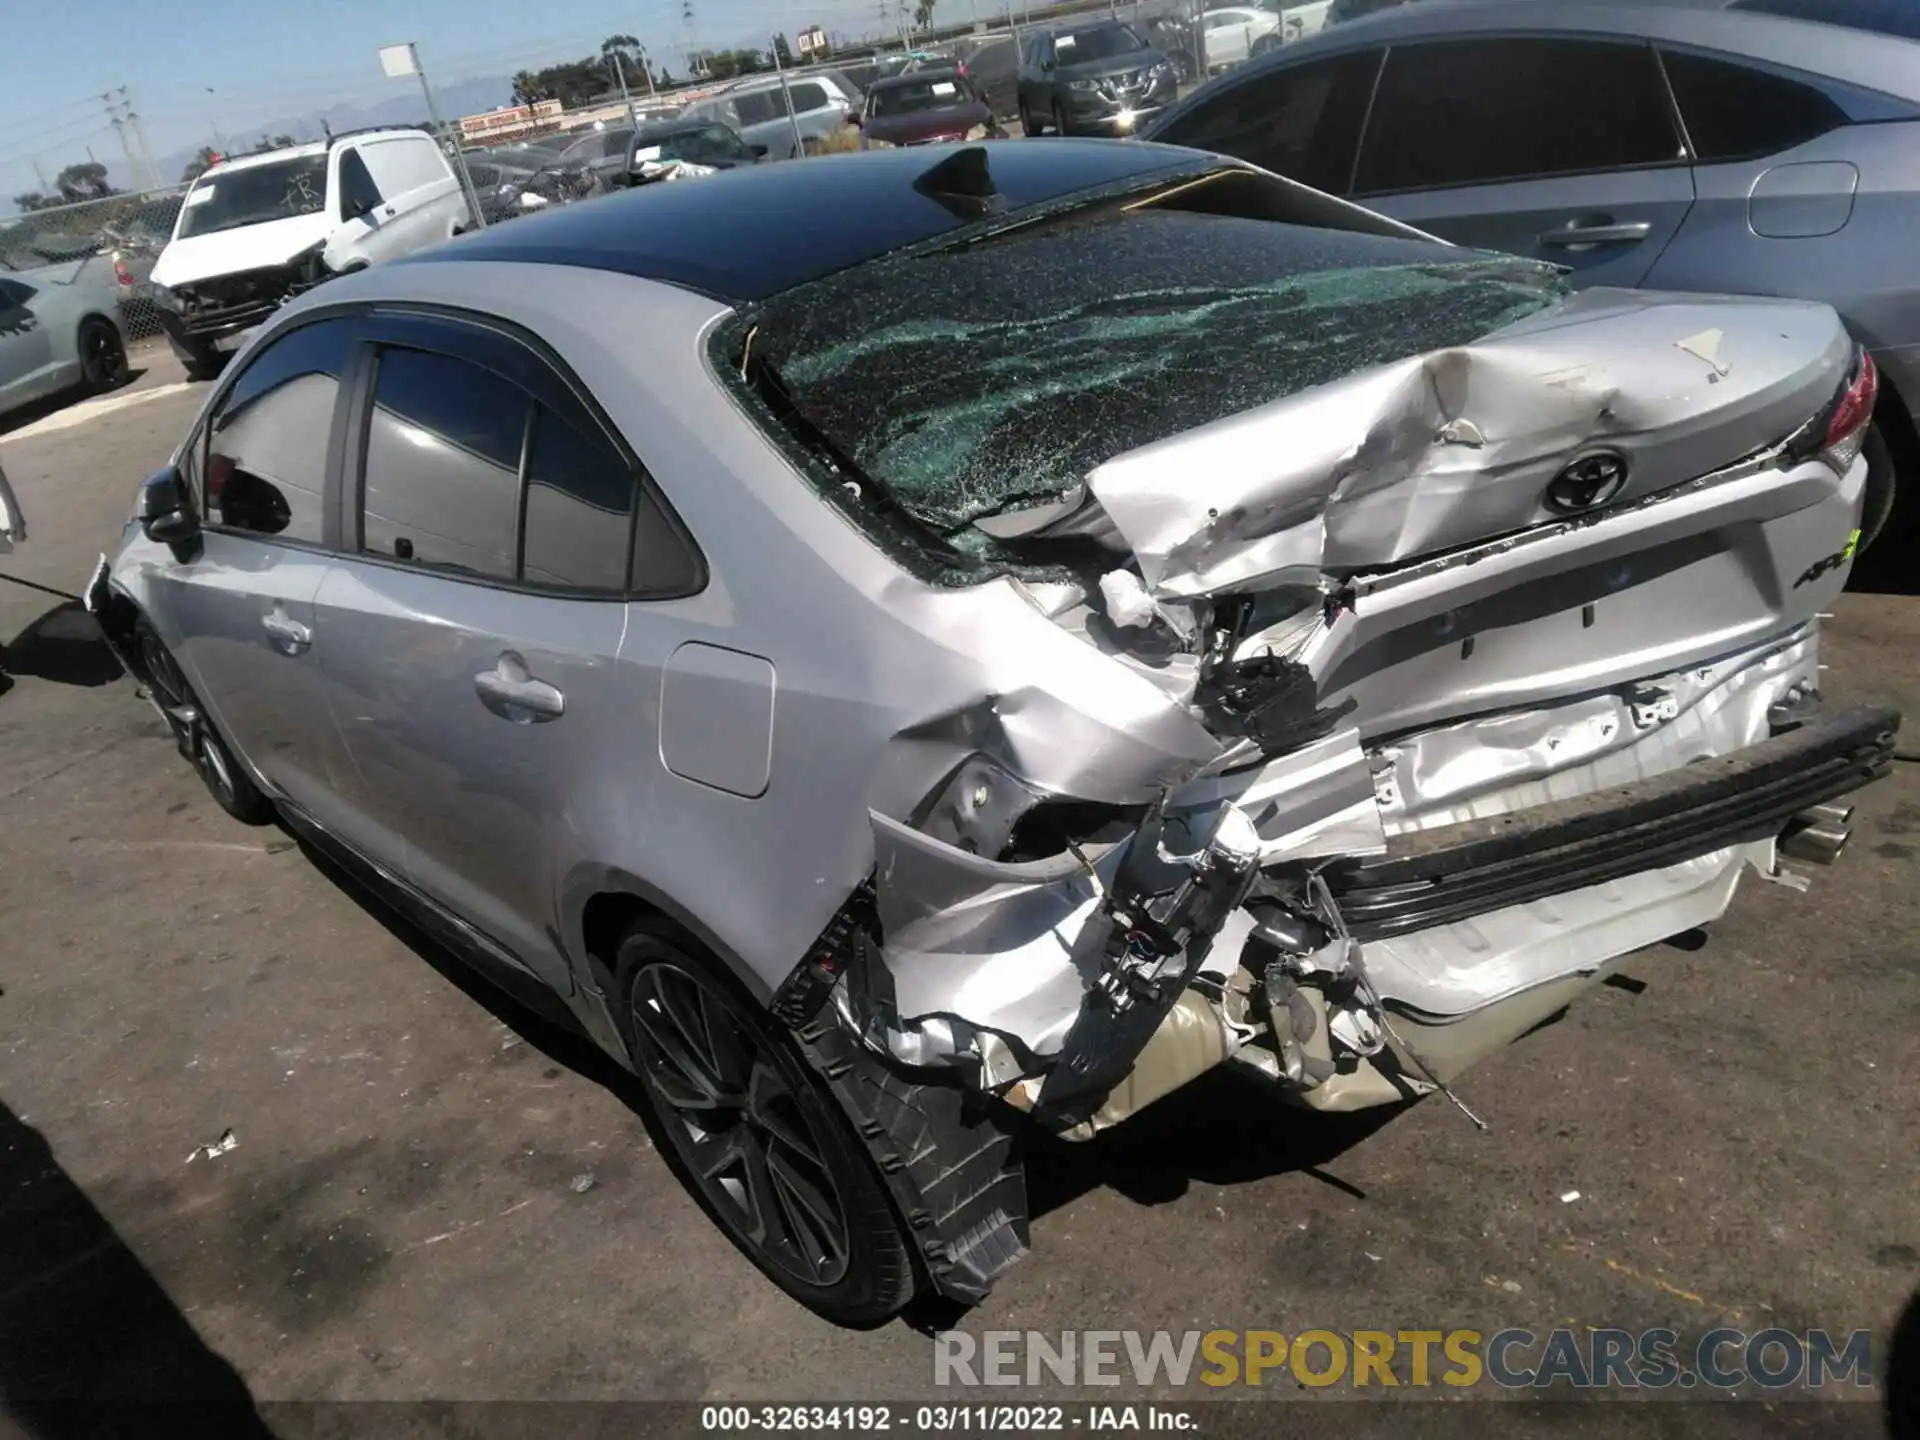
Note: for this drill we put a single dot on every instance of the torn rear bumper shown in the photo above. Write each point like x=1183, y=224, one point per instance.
x=1433, y=877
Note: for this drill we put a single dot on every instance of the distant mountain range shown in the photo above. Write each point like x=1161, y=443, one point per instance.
x=407, y=107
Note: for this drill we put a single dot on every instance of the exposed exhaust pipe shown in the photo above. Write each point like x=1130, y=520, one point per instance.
x=1836, y=814
x=1818, y=844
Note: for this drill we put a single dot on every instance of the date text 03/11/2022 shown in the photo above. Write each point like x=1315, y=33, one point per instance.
x=947, y=1419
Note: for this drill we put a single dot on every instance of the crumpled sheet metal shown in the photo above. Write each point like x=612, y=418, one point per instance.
x=1458, y=445
x=1494, y=764
x=1011, y=948
x=1054, y=711
x=1312, y=802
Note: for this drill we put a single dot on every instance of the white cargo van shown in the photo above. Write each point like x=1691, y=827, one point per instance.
x=258, y=229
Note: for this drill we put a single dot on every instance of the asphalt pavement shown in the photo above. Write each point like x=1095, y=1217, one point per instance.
x=432, y=1192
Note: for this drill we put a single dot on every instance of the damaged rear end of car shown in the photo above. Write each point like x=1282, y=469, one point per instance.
x=1439, y=638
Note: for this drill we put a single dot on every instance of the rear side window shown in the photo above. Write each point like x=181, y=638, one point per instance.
x=756, y=107
x=1303, y=123
x=579, y=508
x=465, y=471
x=1733, y=112
x=443, y=464
x=267, y=446
x=807, y=95
x=1479, y=111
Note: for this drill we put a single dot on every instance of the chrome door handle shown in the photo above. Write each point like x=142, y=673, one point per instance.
x=511, y=693
x=289, y=635
x=1597, y=234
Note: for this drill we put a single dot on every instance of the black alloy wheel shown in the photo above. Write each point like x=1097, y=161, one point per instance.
x=103, y=355
x=759, y=1138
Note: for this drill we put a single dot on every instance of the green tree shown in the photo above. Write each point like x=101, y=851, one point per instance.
x=278, y=142
x=200, y=164
x=923, y=14
x=661, y=78
x=780, y=48
x=527, y=88
x=84, y=181
x=34, y=200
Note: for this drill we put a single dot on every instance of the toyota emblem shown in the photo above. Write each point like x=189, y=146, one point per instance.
x=1587, y=483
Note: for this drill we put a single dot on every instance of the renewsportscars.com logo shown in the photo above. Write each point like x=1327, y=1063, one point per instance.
x=1514, y=1359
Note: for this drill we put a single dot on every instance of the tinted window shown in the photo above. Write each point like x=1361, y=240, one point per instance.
x=1733, y=113
x=705, y=146
x=15, y=292
x=1103, y=42
x=1885, y=17
x=358, y=193
x=808, y=95
x=1468, y=112
x=1302, y=123
x=757, y=107
x=579, y=508
x=443, y=463
x=267, y=457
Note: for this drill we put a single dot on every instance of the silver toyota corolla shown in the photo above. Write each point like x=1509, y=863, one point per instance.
x=923, y=644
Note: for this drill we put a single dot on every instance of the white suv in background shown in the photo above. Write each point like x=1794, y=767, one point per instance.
x=256, y=230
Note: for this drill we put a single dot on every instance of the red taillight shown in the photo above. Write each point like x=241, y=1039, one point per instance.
x=1855, y=409
x=120, y=271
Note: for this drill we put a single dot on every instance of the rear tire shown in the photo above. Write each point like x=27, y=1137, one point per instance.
x=756, y=1135
x=103, y=355
x=224, y=776
x=1885, y=493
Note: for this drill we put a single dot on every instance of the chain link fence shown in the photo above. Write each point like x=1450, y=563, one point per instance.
x=126, y=232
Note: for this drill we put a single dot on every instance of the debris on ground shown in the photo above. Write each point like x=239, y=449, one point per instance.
x=221, y=1146
x=581, y=1183
x=1569, y=1197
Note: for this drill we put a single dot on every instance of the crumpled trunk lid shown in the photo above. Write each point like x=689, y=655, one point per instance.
x=1462, y=444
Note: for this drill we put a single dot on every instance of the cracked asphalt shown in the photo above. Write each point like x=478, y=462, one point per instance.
x=435, y=1193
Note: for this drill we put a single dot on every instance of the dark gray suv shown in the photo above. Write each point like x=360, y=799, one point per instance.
x=1099, y=78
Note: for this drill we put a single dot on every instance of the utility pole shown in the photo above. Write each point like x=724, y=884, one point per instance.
x=400, y=60
x=122, y=132
x=646, y=64
x=620, y=74
x=773, y=48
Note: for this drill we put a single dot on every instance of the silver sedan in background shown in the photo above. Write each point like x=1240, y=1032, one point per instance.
x=1760, y=147
x=59, y=329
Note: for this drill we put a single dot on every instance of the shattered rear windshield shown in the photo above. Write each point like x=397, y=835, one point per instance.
x=994, y=376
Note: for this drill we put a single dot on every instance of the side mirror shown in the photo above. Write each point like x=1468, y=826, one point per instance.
x=165, y=509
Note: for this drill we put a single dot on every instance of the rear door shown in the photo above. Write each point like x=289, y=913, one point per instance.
x=421, y=199
x=1561, y=150
x=1781, y=189
x=239, y=613
x=26, y=351
x=480, y=617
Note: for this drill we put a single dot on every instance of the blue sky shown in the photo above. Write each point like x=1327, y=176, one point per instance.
x=194, y=66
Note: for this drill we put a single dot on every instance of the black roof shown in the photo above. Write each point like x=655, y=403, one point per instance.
x=746, y=234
